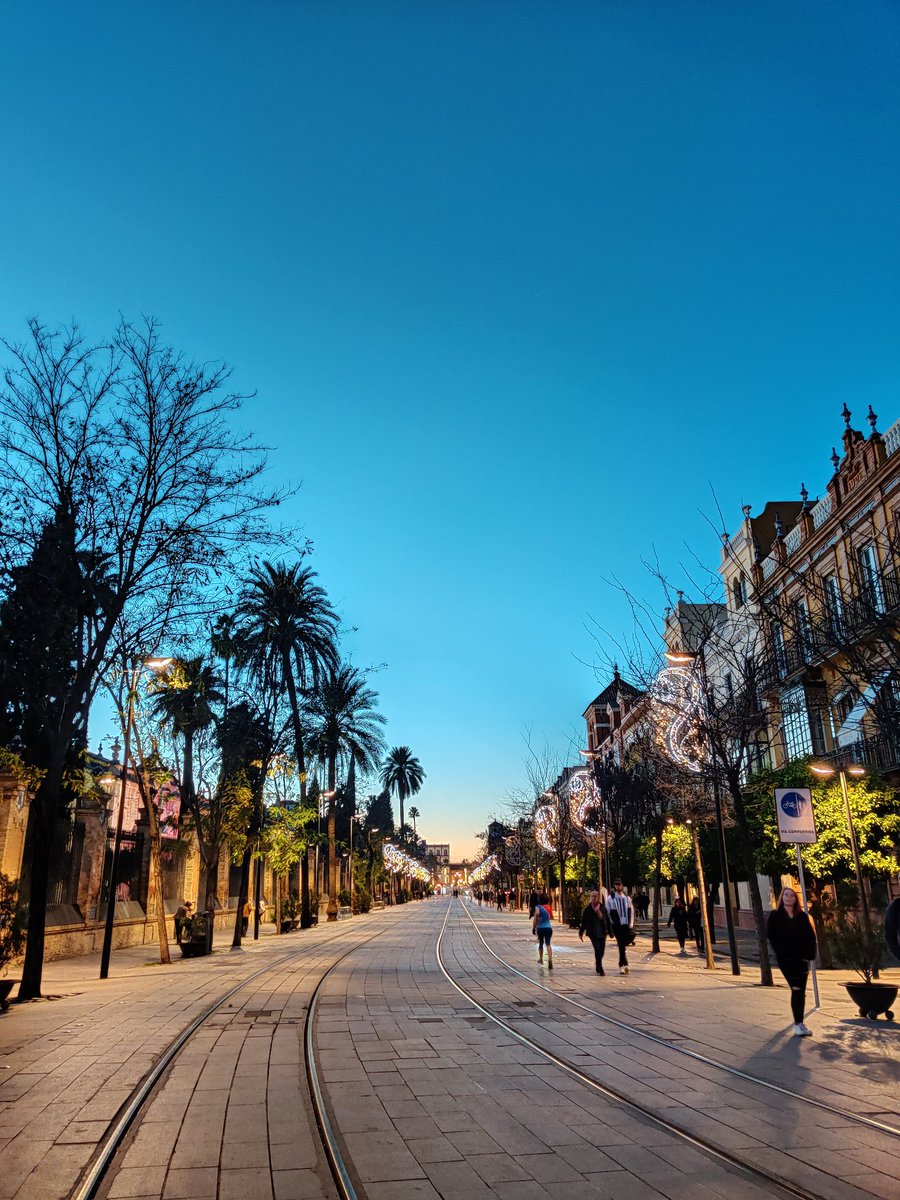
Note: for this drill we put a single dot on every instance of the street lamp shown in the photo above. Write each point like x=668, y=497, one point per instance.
x=682, y=658
x=153, y=664
x=825, y=770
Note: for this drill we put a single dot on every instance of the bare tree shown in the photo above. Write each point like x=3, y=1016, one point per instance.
x=133, y=442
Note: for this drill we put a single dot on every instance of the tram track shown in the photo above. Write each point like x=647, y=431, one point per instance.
x=731, y=1159
x=735, y=1072
x=98, y=1169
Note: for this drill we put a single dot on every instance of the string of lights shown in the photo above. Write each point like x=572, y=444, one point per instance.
x=491, y=863
x=400, y=863
x=677, y=704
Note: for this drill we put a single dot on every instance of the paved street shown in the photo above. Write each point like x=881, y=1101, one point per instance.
x=430, y=1098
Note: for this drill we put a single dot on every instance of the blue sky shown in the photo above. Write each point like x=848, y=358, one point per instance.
x=515, y=284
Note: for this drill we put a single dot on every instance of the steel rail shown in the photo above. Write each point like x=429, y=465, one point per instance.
x=695, y=1055
x=695, y=1140
x=89, y=1184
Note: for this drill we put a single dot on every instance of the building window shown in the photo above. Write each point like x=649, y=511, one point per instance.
x=834, y=604
x=871, y=584
x=798, y=742
x=804, y=629
x=739, y=591
x=778, y=648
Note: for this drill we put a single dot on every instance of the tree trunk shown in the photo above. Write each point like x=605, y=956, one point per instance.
x=41, y=815
x=212, y=884
x=332, y=841
x=243, y=893
x=657, y=897
x=156, y=898
x=759, y=918
x=305, y=912
x=276, y=881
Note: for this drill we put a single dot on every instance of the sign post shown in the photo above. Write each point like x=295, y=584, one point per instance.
x=797, y=824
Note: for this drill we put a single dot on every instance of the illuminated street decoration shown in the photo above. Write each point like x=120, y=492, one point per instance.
x=400, y=863
x=586, y=807
x=677, y=700
x=546, y=827
x=491, y=863
x=512, y=849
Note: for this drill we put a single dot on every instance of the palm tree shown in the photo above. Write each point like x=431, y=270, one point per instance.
x=183, y=699
x=414, y=815
x=402, y=774
x=288, y=632
x=345, y=725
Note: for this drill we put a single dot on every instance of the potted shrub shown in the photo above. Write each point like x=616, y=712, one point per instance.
x=852, y=945
x=13, y=924
x=362, y=900
x=344, y=898
x=290, y=912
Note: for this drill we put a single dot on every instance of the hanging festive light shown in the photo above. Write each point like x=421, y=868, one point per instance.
x=546, y=827
x=677, y=706
x=587, y=810
x=491, y=863
x=399, y=863
x=512, y=850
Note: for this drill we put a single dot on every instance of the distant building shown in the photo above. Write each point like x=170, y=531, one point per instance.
x=438, y=850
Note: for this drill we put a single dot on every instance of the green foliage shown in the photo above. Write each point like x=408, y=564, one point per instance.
x=235, y=798
x=876, y=819
x=287, y=836
x=362, y=900
x=13, y=921
x=344, y=898
x=852, y=945
x=677, y=855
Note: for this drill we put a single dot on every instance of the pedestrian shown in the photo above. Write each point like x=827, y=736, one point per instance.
x=595, y=923
x=793, y=939
x=501, y=896
x=183, y=915
x=543, y=927
x=638, y=901
x=711, y=914
x=695, y=922
x=620, y=911
x=245, y=918
x=679, y=918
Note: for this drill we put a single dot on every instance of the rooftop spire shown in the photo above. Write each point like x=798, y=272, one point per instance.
x=872, y=418
x=846, y=414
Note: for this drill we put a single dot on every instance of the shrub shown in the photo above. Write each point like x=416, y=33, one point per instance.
x=362, y=900
x=343, y=898
x=852, y=945
x=13, y=922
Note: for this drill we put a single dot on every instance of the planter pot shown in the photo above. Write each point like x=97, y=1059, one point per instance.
x=873, y=998
x=194, y=949
x=6, y=986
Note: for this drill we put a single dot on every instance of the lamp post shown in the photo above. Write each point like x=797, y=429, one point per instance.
x=356, y=817
x=685, y=658
x=825, y=770
x=154, y=664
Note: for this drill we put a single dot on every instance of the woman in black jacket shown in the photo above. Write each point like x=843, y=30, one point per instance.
x=679, y=918
x=793, y=939
x=595, y=923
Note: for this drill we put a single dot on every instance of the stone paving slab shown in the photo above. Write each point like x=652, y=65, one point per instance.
x=67, y=1064
x=730, y=1020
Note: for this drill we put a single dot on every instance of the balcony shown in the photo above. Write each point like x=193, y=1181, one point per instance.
x=878, y=753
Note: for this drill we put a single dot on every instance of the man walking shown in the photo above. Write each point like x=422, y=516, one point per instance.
x=621, y=919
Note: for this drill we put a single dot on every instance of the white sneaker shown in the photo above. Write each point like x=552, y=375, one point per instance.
x=623, y=971
x=802, y=1030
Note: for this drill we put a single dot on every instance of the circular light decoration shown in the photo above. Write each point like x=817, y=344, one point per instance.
x=512, y=849
x=677, y=700
x=491, y=863
x=586, y=807
x=546, y=827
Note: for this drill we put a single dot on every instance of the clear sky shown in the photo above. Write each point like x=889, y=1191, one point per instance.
x=515, y=284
